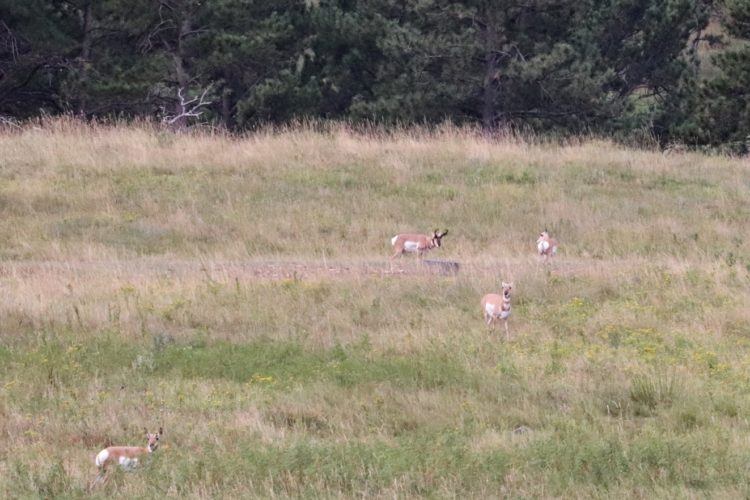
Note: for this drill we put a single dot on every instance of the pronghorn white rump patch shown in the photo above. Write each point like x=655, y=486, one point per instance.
x=101, y=457
x=542, y=245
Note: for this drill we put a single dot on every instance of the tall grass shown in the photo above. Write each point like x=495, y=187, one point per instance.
x=237, y=292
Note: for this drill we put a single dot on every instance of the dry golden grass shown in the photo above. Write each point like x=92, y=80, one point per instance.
x=238, y=291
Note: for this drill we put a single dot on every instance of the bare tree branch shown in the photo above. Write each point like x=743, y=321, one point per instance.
x=9, y=122
x=10, y=41
x=190, y=108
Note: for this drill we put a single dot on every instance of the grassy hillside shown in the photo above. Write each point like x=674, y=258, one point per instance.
x=238, y=292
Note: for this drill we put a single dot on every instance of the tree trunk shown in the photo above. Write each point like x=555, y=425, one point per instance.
x=226, y=108
x=178, y=58
x=84, y=59
x=491, y=75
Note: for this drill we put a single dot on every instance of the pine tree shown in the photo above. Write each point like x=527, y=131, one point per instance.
x=36, y=39
x=563, y=65
x=721, y=112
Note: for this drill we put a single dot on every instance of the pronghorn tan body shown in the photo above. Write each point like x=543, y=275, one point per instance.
x=496, y=307
x=546, y=245
x=416, y=243
x=125, y=456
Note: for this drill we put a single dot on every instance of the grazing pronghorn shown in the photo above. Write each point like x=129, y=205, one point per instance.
x=496, y=307
x=546, y=246
x=124, y=456
x=420, y=243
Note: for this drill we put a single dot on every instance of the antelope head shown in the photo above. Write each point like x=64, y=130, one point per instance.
x=507, y=287
x=436, y=237
x=153, y=439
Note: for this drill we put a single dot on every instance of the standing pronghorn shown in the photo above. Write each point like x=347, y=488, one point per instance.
x=546, y=246
x=420, y=243
x=124, y=456
x=496, y=307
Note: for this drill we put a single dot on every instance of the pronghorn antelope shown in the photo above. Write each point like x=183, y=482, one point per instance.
x=420, y=243
x=496, y=307
x=125, y=456
x=546, y=246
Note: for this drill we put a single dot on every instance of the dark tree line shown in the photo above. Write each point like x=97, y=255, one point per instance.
x=608, y=66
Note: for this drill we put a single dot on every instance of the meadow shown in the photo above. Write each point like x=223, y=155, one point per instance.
x=238, y=292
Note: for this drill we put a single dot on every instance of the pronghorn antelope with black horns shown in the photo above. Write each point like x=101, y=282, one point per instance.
x=419, y=243
x=546, y=245
x=125, y=456
x=497, y=307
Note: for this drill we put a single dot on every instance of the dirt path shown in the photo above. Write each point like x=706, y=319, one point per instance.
x=212, y=268
x=225, y=270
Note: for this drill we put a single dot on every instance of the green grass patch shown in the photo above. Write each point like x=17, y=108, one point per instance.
x=288, y=364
